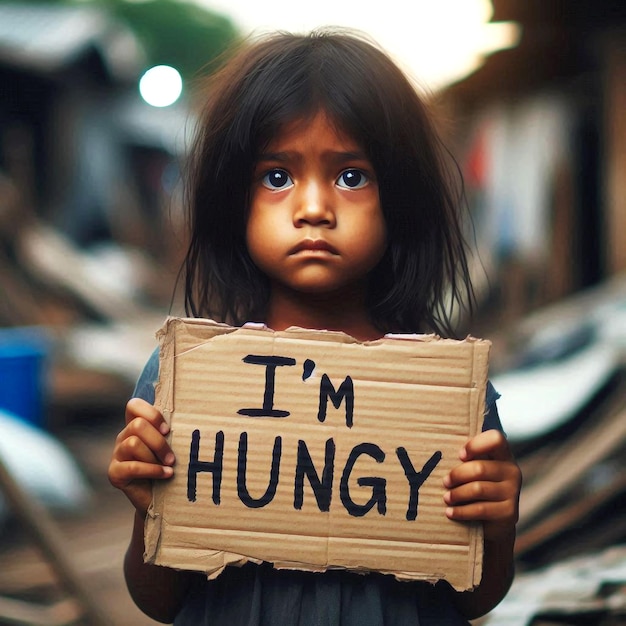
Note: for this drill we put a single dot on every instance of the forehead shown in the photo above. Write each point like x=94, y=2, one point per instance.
x=317, y=126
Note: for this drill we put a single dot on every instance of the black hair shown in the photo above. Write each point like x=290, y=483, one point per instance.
x=285, y=77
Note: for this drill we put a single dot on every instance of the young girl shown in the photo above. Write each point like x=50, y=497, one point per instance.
x=319, y=198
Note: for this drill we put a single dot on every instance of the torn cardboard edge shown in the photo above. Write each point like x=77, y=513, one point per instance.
x=347, y=491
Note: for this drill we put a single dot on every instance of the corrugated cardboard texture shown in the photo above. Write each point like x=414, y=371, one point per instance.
x=235, y=414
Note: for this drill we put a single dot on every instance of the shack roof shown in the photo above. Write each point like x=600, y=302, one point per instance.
x=47, y=39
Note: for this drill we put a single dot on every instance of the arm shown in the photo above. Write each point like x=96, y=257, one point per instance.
x=142, y=454
x=158, y=591
x=485, y=487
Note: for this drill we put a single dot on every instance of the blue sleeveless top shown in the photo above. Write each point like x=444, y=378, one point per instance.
x=259, y=595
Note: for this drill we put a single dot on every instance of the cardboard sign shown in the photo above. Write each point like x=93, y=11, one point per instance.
x=311, y=450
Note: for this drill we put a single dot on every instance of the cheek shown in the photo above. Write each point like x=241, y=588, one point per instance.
x=264, y=218
x=260, y=239
x=256, y=226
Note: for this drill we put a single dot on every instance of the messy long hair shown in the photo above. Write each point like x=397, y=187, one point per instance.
x=268, y=83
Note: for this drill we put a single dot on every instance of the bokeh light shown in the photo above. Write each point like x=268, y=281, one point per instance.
x=161, y=86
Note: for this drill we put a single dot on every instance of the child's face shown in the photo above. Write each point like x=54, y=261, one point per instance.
x=315, y=223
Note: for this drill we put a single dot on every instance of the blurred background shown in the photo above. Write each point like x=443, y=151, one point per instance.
x=96, y=114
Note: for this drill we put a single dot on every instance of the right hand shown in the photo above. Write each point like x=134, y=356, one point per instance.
x=141, y=454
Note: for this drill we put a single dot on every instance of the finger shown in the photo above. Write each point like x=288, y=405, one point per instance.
x=139, y=408
x=501, y=512
x=134, y=449
x=490, y=444
x=122, y=474
x=140, y=431
x=478, y=491
x=483, y=470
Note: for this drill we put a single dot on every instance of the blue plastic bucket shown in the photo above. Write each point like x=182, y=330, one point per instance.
x=23, y=353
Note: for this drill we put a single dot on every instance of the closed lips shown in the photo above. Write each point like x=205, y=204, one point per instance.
x=313, y=245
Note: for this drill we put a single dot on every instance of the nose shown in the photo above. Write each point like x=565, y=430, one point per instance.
x=314, y=206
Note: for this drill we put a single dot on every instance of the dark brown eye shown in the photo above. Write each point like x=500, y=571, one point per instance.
x=277, y=179
x=352, y=179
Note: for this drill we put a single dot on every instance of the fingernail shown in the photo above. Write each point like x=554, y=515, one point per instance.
x=450, y=512
x=169, y=458
x=164, y=428
x=168, y=471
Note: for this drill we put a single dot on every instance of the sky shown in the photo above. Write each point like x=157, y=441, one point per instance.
x=435, y=41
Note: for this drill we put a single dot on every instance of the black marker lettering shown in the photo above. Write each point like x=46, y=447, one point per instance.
x=322, y=489
x=307, y=369
x=378, y=485
x=271, y=363
x=242, y=461
x=327, y=390
x=196, y=466
x=416, y=479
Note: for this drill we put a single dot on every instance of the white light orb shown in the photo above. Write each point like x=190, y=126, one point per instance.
x=161, y=86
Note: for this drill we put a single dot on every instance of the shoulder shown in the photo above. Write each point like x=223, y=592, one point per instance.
x=492, y=419
x=144, y=388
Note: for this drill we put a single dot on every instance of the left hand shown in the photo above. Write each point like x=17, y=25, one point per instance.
x=485, y=486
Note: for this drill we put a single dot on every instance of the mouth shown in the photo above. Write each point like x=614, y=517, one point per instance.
x=313, y=245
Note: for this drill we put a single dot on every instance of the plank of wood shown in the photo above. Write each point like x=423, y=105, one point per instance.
x=60, y=613
x=576, y=456
x=45, y=534
x=567, y=517
x=54, y=259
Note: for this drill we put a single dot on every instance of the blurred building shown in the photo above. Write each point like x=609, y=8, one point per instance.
x=541, y=133
x=83, y=156
x=84, y=151
x=59, y=68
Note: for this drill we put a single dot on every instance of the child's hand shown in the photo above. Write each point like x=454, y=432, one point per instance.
x=486, y=486
x=141, y=454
